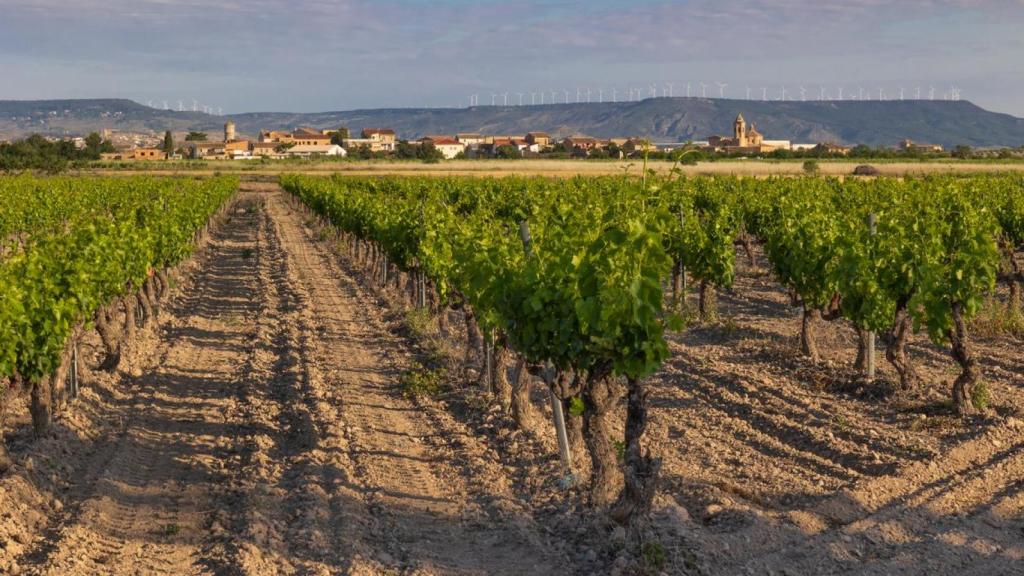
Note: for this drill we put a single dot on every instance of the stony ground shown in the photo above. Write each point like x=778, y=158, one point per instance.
x=262, y=430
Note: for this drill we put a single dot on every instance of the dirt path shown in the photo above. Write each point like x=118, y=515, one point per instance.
x=270, y=437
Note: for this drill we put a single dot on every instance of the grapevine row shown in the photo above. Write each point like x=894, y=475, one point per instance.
x=91, y=252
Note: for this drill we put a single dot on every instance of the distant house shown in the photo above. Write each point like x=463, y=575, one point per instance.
x=448, y=147
x=911, y=146
x=376, y=139
x=146, y=154
x=581, y=143
x=275, y=136
x=831, y=148
x=306, y=150
x=637, y=146
x=211, y=150
x=541, y=139
x=266, y=149
x=470, y=138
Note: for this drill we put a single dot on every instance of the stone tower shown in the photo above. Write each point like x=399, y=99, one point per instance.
x=229, y=131
x=739, y=130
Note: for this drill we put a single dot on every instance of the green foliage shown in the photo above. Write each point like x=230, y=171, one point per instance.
x=980, y=397
x=420, y=381
x=654, y=555
x=82, y=243
x=811, y=167
x=196, y=137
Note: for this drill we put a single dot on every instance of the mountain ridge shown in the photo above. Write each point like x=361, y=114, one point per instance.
x=876, y=123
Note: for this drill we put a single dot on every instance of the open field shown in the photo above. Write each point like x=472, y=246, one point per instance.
x=265, y=425
x=564, y=168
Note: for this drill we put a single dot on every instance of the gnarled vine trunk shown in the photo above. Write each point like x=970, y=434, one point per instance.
x=966, y=383
x=40, y=406
x=861, y=363
x=500, y=384
x=147, y=310
x=708, y=305
x=165, y=284
x=599, y=399
x=896, y=348
x=474, y=337
x=678, y=296
x=808, y=333
x=111, y=338
x=523, y=411
x=640, y=469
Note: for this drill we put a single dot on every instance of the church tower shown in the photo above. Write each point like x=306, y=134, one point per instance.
x=739, y=130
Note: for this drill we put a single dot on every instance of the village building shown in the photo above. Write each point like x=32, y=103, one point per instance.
x=310, y=137
x=541, y=139
x=266, y=150
x=832, y=148
x=447, y=146
x=636, y=146
x=581, y=143
x=307, y=150
x=744, y=140
x=911, y=146
x=470, y=138
x=146, y=154
x=376, y=139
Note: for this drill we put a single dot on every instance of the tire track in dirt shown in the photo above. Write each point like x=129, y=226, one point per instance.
x=422, y=516
x=146, y=511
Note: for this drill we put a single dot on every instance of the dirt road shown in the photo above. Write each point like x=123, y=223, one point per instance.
x=269, y=437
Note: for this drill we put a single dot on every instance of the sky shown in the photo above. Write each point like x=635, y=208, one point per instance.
x=325, y=55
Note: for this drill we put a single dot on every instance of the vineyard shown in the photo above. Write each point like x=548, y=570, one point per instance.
x=452, y=375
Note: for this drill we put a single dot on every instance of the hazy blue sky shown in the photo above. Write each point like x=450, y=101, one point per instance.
x=314, y=55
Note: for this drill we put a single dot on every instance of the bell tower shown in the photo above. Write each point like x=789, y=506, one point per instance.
x=739, y=130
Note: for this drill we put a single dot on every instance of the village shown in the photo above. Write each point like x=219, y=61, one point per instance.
x=307, y=142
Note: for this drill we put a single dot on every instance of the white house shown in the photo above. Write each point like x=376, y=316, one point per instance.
x=306, y=150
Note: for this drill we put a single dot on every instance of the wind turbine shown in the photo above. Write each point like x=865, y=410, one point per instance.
x=783, y=93
x=670, y=86
x=860, y=93
x=654, y=91
x=803, y=94
x=841, y=93
x=703, y=90
x=505, y=98
x=554, y=96
x=918, y=93
x=931, y=92
x=579, y=92
x=881, y=94
x=566, y=93
x=721, y=89
x=588, y=95
x=748, y=92
x=181, y=106
x=821, y=94
x=195, y=105
x=600, y=95
x=764, y=94
x=520, y=94
x=901, y=93
x=533, y=98
x=687, y=89
x=494, y=98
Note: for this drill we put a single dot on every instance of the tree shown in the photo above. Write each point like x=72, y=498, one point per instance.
x=429, y=153
x=196, y=137
x=508, y=152
x=340, y=136
x=168, y=147
x=405, y=151
x=962, y=152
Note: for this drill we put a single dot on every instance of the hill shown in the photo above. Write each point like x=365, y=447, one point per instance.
x=661, y=119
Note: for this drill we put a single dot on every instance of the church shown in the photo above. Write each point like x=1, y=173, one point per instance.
x=744, y=140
